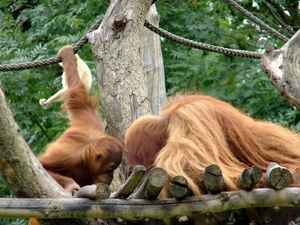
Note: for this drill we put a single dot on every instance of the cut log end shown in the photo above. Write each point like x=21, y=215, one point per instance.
x=278, y=177
x=179, y=187
x=99, y=191
x=152, y=185
x=249, y=178
x=213, y=179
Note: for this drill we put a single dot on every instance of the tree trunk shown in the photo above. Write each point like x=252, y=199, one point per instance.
x=283, y=68
x=116, y=46
x=19, y=167
x=153, y=64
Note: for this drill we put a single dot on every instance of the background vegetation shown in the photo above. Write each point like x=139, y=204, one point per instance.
x=36, y=29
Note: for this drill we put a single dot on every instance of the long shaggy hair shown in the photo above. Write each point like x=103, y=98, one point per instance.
x=195, y=131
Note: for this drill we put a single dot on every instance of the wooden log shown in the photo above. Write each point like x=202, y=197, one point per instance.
x=152, y=185
x=255, y=174
x=94, y=192
x=214, y=184
x=278, y=177
x=133, y=180
x=283, y=68
x=153, y=64
x=138, y=209
x=244, y=179
x=213, y=179
x=249, y=178
x=178, y=187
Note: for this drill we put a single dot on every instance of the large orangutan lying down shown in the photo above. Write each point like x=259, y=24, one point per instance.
x=195, y=131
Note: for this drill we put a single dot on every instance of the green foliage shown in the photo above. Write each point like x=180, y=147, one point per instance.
x=237, y=80
x=27, y=37
x=4, y=190
x=13, y=221
x=4, y=193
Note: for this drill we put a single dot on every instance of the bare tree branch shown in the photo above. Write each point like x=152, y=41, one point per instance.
x=136, y=209
x=21, y=170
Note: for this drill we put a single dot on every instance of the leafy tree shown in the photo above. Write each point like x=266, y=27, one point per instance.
x=234, y=79
x=27, y=37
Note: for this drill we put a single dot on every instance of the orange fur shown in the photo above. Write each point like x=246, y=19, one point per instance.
x=83, y=154
x=33, y=221
x=195, y=131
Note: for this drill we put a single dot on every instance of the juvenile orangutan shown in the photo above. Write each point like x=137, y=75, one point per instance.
x=83, y=154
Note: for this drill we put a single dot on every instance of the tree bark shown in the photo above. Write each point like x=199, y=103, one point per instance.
x=153, y=64
x=138, y=209
x=21, y=170
x=116, y=46
x=283, y=68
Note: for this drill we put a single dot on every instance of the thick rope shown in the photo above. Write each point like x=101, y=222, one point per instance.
x=162, y=33
x=53, y=60
x=249, y=15
x=200, y=45
x=29, y=65
x=84, y=39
